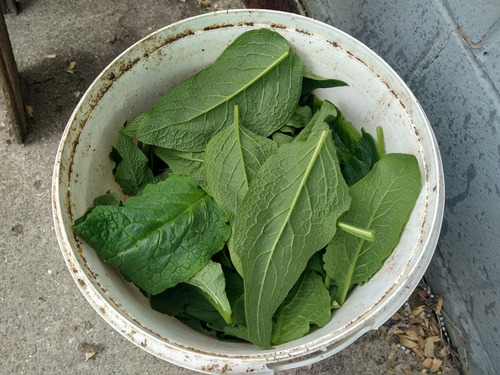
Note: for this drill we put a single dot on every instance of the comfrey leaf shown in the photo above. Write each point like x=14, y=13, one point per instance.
x=191, y=164
x=313, y=81
x=300, y=117
x=325, y=114
x=288, y=214
x=211, y=284
x=108, y=199
x=257, y=72
x=186, y=302
x=280, y=138
x=358, y=152
x=132, y=171
x=308, y=304
x=232, y=158
x=130, y=129
x=160, y=238
x=111, y=198
x=382, y=201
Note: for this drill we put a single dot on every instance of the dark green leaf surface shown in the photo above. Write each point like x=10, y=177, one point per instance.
x=160, y=238
x=312, y=82
x=382, y=201
x=355, y=163
x=358, y=152
x=308, y=305
x=111, y=198
x=132, y=171
x=347, y=134
x=288, y=214
x=316, y=264
x=186, y=303
x=257, y=72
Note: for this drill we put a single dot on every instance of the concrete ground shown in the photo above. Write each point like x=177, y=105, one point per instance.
x=46, y=325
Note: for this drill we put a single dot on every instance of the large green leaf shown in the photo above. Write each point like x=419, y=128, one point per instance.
x=257, y=72
x=308, y=304
x=211, y=283
x=160, y=238
x=289, y=213
x=382, y=201
x=232, y=158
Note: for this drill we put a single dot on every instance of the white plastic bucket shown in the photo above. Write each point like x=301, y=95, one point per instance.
x=137, y=78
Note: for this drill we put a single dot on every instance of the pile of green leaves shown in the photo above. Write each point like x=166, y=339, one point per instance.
x=234, y=187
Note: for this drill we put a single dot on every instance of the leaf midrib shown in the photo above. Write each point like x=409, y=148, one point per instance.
x=162, y=225
x=237, y=92
x=305, y=177
x=352, y=267
x=239, y=146
x=205, y=288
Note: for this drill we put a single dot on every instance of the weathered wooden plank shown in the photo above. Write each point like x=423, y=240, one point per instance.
x=9, y=5
x=10, y=85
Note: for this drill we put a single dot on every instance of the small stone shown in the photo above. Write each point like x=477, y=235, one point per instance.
x=90, y=350
x=89, y=355
x=71, y=67
x=17, y=229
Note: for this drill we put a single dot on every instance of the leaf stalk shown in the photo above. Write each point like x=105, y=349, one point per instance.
x=364, y=234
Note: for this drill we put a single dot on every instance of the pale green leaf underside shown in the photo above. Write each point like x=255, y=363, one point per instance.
x=232, y=158
x=160, y=238
x=300, y=117
x=281, y=138
x=191, y=164
x=257, y=72
x=288, y=214
x=211, y=283
x=309, y=305
x=381, y=201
